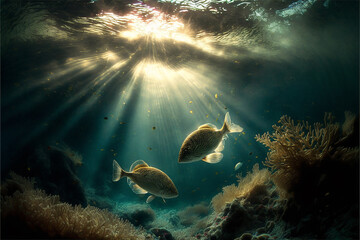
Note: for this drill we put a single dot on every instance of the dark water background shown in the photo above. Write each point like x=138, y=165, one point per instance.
x=60, y=84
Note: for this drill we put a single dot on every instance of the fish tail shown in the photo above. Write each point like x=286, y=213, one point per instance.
x=118, y=172
x=229, y=127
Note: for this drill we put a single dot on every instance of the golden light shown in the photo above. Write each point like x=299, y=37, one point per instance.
x=110, y=56
x=158, y=26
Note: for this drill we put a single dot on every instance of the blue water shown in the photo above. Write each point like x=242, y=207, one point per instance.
x=68, y=75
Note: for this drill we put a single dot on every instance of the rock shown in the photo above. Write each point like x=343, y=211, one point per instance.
x=269, y=226
x=245, y=236
x=54, y=171
x=263, y=237
x=163, y=234
x=139, y=216
x=261, y=230
x=237, y=220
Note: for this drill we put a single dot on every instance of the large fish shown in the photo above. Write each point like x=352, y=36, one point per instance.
x=207, y=142
x=143, y=179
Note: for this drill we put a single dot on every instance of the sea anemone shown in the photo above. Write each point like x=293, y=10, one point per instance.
x=45, y=216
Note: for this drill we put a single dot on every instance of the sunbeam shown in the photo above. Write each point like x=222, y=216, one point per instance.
x=160, y=119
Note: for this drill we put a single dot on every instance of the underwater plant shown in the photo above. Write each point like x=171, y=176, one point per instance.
x=31, y=211
x=316, y=170
x=249, y=187
x=296, y=147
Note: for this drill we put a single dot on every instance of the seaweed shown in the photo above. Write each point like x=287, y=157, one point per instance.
x=29, y=212
x=250, y=187
x=297, y=149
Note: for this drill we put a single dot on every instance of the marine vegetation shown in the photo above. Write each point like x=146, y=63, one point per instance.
x=312, y=191
x=249, y=186
x=44, y=216
x=251, y=208
x=296, y=150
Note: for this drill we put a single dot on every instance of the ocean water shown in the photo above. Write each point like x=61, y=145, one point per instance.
x=128, y=80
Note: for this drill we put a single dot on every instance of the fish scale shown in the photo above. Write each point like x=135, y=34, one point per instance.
x=202, y=143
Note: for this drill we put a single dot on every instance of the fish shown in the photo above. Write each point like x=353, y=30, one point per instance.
x=238, y=165
x=143, y=179
x=207, y=142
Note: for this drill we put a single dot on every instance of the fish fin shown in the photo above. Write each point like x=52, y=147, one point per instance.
x=137, y=163
x=117, y=172
x=208, y=125
x=150, y=198
x=221, y=146
x=136, y=188
x=238, y=165
x=213, y=158
x=230, y=127
x=140, y=166
x=164, y=200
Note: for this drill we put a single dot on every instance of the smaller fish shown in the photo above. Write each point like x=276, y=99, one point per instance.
x=238, y=166
x=250, y=153
x=153, y=128
x=144, y=179
x=106, y=118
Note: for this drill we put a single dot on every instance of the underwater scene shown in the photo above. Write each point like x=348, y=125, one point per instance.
x=180, y=119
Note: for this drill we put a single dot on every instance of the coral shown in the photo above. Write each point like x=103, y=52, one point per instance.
x=316, y=169
x=16, y=183
x=251, y=187
x=245, y=218
x=293, y=148
x=46, y=214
